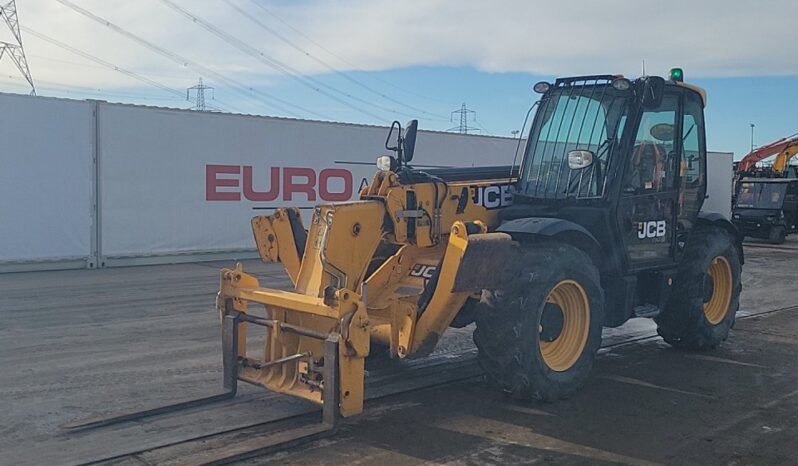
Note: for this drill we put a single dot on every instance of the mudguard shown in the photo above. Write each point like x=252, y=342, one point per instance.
x=546, y=227
x=716, y=219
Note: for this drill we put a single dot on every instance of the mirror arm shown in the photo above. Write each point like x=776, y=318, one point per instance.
x=390, y=133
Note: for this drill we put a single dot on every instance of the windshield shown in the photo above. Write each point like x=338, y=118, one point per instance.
x=761, y=195
x=573, y=117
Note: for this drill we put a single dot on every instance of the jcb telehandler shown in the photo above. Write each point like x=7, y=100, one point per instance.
x=601, y=222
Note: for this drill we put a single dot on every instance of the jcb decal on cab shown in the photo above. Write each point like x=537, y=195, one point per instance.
x=651, y=229
x=423, y=271
x=493, y=197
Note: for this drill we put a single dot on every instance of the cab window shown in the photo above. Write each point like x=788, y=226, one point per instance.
x=693, y=162
x=654, y=148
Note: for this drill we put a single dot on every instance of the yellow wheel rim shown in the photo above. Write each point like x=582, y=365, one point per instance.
x=720, y=274
x=561, y=353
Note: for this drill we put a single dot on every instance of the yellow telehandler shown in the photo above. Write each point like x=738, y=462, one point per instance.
x=601, y=222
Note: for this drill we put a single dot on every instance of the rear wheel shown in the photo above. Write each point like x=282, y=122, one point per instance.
x=538, y=336
x=706, y=292
x=777, y=235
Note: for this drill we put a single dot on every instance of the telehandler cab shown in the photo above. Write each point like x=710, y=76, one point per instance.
x=601, y=222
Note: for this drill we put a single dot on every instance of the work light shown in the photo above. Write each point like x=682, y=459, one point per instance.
x=621, y=84
x=386, y=163
x=541, y=87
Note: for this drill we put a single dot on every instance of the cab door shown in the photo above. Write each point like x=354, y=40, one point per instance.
x=649, y=193
x=692, y=169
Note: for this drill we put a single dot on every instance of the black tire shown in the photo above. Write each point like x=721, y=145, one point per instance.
x=508, y=331
x=684, y=323
x=777, y=235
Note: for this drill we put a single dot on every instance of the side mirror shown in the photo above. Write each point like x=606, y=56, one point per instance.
x=578, y=159
x=652, y=92
x=409, y=139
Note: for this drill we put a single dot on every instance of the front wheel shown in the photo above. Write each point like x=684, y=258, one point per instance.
x=538, y=336
x=706, y=292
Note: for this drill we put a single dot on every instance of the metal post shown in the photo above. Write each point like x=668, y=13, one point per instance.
x=331, y=409
x=230, y=352
x=95, y=253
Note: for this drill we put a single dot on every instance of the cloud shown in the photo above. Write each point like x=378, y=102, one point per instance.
x=711, y=38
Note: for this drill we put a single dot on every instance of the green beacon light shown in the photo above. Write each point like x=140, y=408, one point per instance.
x=677, y=75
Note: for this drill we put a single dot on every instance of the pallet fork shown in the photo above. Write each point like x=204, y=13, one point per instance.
x=232, y=361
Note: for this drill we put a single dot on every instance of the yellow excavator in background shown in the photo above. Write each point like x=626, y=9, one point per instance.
x=783, y=159
x=784, y=149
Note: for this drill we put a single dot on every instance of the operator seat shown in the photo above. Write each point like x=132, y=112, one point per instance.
x=648, y=166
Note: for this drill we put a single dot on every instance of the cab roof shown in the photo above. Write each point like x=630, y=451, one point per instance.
x=700, y=90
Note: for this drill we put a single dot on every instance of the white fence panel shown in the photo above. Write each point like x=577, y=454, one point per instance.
x=183, y=182
x=175, y=182
x=46, y=180
x=720, y=184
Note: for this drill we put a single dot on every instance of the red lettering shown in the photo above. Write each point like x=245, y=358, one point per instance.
x=289, y=187
x=261, y=196
x=324, y=183
x=295, y=180
x=213, y=182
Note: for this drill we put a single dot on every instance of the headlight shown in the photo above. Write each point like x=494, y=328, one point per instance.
x=386, y=163
x=579, y=159
x=541, y=87
x=737, y=216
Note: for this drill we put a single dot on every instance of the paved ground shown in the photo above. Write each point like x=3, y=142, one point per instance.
x=646, y=404
x=75, y=344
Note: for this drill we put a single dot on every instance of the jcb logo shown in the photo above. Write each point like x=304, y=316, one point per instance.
x=652, y=229
x=423, y=271
x=493, y=197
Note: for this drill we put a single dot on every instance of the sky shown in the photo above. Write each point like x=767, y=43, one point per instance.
x=373, y=61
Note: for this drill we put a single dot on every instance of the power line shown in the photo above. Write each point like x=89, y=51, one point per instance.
x=61, y=60
x=482, y=127
x=15, y=51
x=104, y=63
x=95, y=66
x=200, y=69
x=71, y=89
x=275, y=64
x=325, y=64
x=343, y=60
